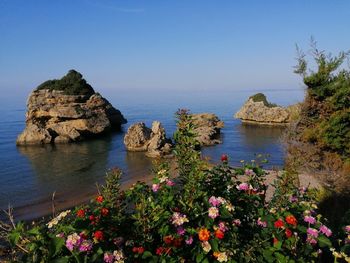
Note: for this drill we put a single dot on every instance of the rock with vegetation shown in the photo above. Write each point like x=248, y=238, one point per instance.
x=319, y=141
x=258, y=110
x=207, y=127
x=140, y=138
x=67, y=110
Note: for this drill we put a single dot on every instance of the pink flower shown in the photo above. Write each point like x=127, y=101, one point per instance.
x=214, y=201
x=223, y=227
x=311, y=241
x=178, y=219
x=249, y=172
x=108, y=257
x=236, y=222
x=310, y=219
x=213, y=212
x=261, y=223
x=347, y=229
x=170, y=183
x=312, y=232
x=86, y=245
x=73, y=241
x=189, y=240
x=155, y=187
x=180, y=231
x=326, y=231
x=243, y=187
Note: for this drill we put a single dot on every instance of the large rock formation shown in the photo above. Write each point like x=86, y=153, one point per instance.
x=257, y=110
x=208, y=127
x=54, y=115
x=152, y=141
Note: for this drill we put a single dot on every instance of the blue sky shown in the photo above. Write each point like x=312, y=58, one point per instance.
x=167, y=45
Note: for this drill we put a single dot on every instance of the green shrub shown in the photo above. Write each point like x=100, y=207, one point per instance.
x=260, y=97
x=71, y=84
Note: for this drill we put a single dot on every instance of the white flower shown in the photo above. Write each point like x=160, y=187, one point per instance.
x=206, y=246
x=222, y=257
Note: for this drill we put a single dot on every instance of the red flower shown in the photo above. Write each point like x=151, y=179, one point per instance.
x=219, y=234
x=81, y=213
x=160, y=250
x=288, y=233
x=168, y=240
x=275, y=241
x=291, y=220
x=224, y=158
x=92, y=218
x=98, y=235
x=99, y=199
x=279, y=223
x=104, y=211
x=135, y=249
x=177, y=242
x=141, y=250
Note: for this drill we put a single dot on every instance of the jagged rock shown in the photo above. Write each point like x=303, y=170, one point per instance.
x=208, y=127
x=152, y=141
x=55, y=117
x=257, y=110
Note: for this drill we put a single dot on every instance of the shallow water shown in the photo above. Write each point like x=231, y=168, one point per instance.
x=29, y=175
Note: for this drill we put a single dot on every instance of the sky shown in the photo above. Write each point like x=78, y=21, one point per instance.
x=165, y=45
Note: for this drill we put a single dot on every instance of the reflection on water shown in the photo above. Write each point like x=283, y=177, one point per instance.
x=258, y=136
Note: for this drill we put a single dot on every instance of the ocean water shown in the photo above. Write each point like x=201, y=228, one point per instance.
x=30, y=175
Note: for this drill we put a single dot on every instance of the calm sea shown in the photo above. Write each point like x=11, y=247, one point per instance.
x=29, y=175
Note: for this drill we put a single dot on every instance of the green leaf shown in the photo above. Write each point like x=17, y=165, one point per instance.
x=324, y=241
x=214, y=245
x=146, y=254
x=199, y=257
x=14, y=237
x=60, y=260
x=56, y=245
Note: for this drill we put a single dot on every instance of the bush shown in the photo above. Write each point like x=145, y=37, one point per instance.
x=207, y=214
x=260, y=97
x=71, y=84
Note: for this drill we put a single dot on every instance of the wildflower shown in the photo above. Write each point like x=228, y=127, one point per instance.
x=223, y=227
x=326, y=231
x=312, y=232
x=108, y=257
x=219, y=234
x=249, y=172
x=170, y=183
x=138, y=250
x=60, y=235
x=214, y=201
x=160, y=250
x=236, y=222
x=288, y=233
x=99, y=199
x=204, y=234
x=155, y=187
x=98, y=235
x=206, y=246
x=73, y=241
x=243, y=187
x=189, y=240
x=213, y=212
x=279, y=223
x=224, y=158
x=168, y=239
x=261, y=223
x=104, y=211
x=58, y=218
x=85, y=246
x=178, y=219
x=180, y=231
x=220, y=256
x=311, y=240
x=81, y=213
x=91, y=217
x=310, y=219
x=229, y=207
x=118, y=256
x=290, y=219
x=347, y=229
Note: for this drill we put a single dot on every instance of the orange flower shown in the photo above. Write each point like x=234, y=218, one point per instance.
x=99, y=199
x=219, y=234
x=216, y=254
x=204, y=234
x=168, y=240
x=81, y=213
x=291, y=220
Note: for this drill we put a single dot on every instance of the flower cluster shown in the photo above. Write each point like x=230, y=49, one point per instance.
x=79, y=242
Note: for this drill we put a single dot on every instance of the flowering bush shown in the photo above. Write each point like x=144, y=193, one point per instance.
x=206, y=214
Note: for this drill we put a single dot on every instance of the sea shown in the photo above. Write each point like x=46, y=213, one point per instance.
x=32, y=176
